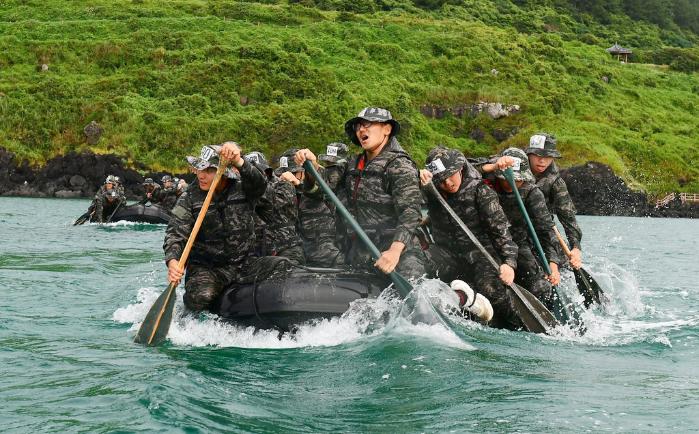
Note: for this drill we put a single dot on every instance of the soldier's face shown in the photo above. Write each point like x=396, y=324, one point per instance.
x=168, y=184
x=539, y=164
x=206, y=177
x=109, y=186
x=451, y=184
x=371, y=135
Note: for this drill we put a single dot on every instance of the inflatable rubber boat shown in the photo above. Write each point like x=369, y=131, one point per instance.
x=142, y=213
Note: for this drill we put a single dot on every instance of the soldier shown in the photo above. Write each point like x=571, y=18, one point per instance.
x=106, y=200
x=166, y=196
x=151, y=190
x=381, y=188
x=181, y=186
x=316, y=222
x=530, y=273
x=335, y=162
x=226, y=239
x=541, y=152
x=279, y=212
x=453, y=255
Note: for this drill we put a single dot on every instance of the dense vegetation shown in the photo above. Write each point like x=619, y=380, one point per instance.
x=162, y=78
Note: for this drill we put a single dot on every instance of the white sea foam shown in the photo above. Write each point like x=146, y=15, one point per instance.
x=415, y=316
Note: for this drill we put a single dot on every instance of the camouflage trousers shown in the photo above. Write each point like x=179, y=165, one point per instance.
x=482, y=278
x=294, y=254
x=322, y=253
x=203, y=284
x=411, y=264
x=531, y=276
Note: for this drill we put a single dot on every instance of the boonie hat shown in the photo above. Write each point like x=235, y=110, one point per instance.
x=371, y=114
x=443, y=162
x=166, y=178
x=287, y=163
x=521, y=167
x=208, y=157
x=335, y=153
x=543, y=145
x=258, y=159
x=148, y=181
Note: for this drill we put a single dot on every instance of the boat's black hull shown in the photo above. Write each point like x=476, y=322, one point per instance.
x=141, y=213
x=289, y=299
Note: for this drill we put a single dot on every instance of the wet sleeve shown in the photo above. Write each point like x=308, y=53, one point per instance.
x=179, y=227
x=404, y=184
x=497, y=225
x=543, y=224
x=564, y=208
x=99, y=208
x=254, y=181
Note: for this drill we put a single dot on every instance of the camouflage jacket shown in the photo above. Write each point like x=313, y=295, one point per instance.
x=278, y=208
x=535, y=203
x=165, y=197
x=559, y=203
x=227, y=234
x=153, y=196
x=479, y=208
x=316, y=216
x=384, y=196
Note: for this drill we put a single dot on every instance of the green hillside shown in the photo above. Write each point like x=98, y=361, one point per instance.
x=163, y=78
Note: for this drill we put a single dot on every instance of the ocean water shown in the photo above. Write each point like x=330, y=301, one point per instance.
x=72, y=298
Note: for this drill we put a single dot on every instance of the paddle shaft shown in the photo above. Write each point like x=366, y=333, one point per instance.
x=530, y=227
x=190, y=242
x=564, y=245
x=543, y=322
x=399, y=281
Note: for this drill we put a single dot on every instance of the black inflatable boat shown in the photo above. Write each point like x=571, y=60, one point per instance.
x=142, y=213
x=291, y=298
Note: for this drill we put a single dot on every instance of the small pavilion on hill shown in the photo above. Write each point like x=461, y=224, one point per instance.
x=620, y=52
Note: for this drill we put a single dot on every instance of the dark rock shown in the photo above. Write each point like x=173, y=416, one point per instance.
x=66, y=194
x=77, y=181
x=477, y=134
x=93, y=131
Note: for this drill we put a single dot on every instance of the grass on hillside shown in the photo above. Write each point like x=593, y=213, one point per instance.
x=163, y=78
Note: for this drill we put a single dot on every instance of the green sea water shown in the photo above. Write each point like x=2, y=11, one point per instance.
x=71, y=299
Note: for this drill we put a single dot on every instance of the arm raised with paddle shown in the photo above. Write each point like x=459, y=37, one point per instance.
x=156, y=324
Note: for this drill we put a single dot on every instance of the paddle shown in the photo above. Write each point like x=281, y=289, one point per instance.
x=404, y=287
x=156, y=324
x=532, y=312
x=559, y=308
x=114, y=212
x=83, y=218
x=587, y=286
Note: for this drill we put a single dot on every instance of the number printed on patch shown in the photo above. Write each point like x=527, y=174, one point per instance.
x=436, y=166
x=537, y=141
x=207, y=153
x=284, y=162
x=516, y=164
x=332, y=150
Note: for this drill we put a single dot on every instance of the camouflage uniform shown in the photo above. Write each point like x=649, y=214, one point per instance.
x=278, y=208
x=317, y=227
x=103, y=209
x=453, y=255
x=225, y=241
x=333, y=171
x=554, y=187
x=385, y=199
x=165, y=197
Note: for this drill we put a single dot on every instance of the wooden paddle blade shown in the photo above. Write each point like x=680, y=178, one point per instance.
x=156, y=324
x=531, y=311
x=404, y=287
x=588, y=287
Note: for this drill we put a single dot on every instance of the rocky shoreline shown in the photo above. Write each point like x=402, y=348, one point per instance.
x=594, y=187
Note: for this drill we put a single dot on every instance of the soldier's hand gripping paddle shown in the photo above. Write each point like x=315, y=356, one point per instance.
x=587, y=286
x=404, y=287
x=156, y=324
x=562, y=311
x=532, y=312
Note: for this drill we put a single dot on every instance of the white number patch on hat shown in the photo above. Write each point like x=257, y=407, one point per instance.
x=537, y=141
x=436, y=166
x=331, y=150
x=284, y=162
x=516, y=164
x=206, y=153
x=254, y=158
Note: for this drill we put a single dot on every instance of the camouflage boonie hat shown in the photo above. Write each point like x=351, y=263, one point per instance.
x=521, y=167
x=148, y=181
x=371, y=114
x=443, y=162
x=258, y=159
x=335, y=153
x=543, y=145
x=166, y=178
x=208, y=157
x=111, y=179
x=287, y=163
